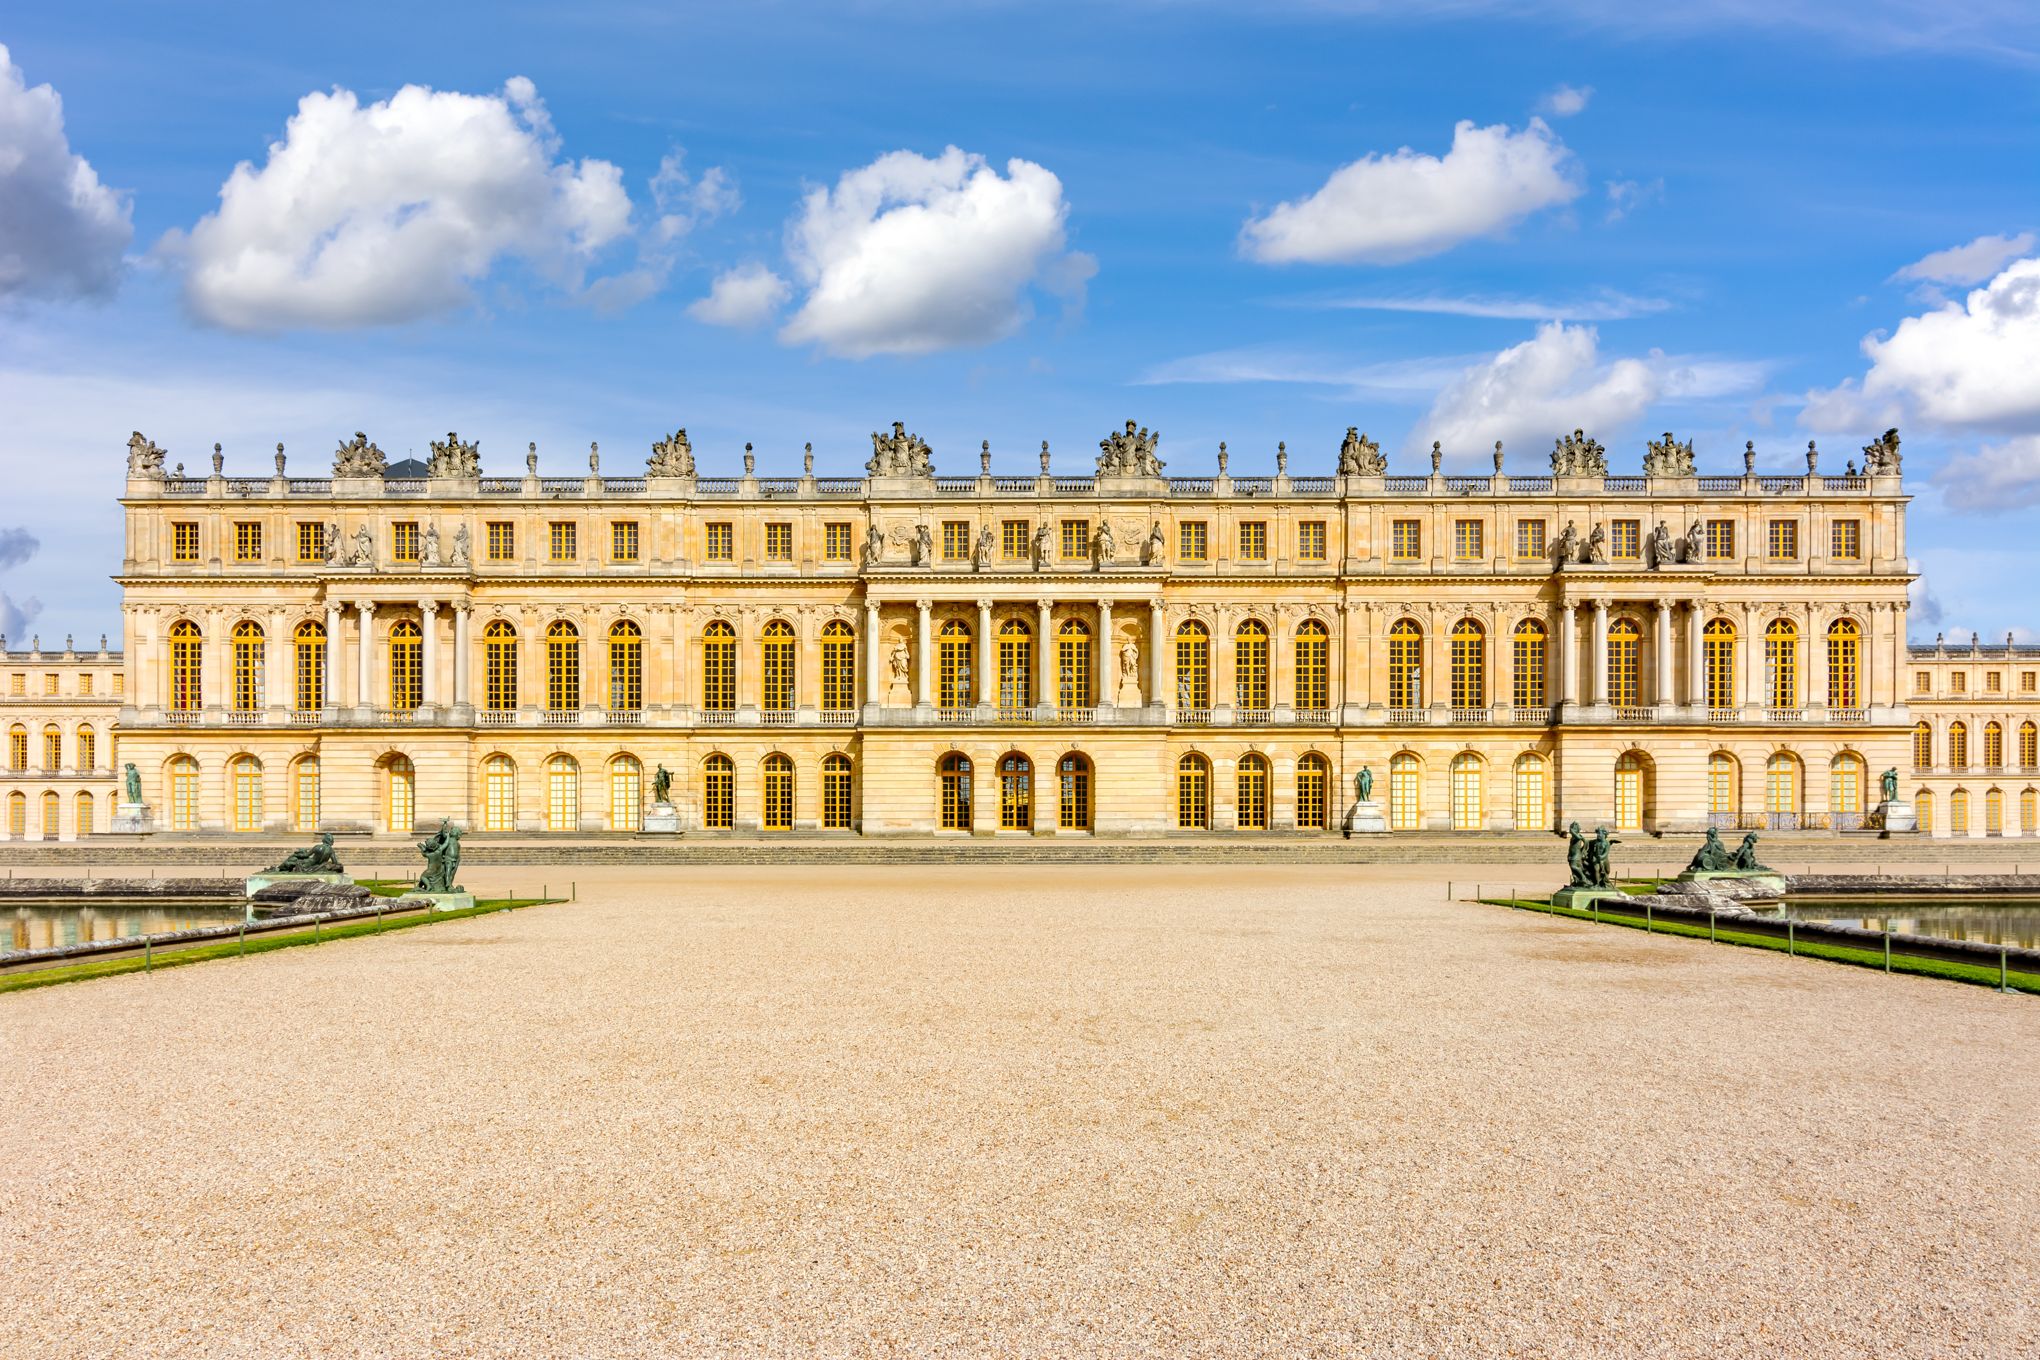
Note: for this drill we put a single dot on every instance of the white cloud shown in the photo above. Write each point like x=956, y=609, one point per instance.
x=1552, y=382
x=911, y=254
x=1566, y=100
x=1997, y=477
x=1409, y=379
x=393, y=212
x=1970, y=264
x=16, y=547
x=1604, y=306
x=1386, y=209
x=1966, y=366
x=685, y=203
x=61, y=231
x=745, y=296
x=1625, y=196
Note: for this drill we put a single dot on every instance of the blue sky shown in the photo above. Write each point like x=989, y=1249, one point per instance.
x=606, y=224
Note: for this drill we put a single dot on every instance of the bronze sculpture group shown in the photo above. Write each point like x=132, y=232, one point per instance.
x=313, y=859
x=1587, y=858
x=1713, y=857
x=442, y=860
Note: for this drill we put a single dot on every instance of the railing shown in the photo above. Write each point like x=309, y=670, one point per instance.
x=1075, y=485
x=182, y=717
x=838, y=717
x=501, y=486
x=1625, y=484
x=1540, y=715
x=1193, y=717
x=1845, y=483
x=1849, y=715
x=309, y=486
x=1312, y=486
x=1470, y=715
x=1629, y=713
x=1076, y=715
x=561, y=486
x=1722, y=821
x=1784, y=715
x=1312, y=717
x=624, y=717
x=623, y=485
x=396, y=717
x=1467, y=486
x=716, y=486
x=838, y=486
x=1252, y=486
x=403, y=486
x=955, y=486
x=1781, y=486
x=1404, y=486
x=184, y=486
x=1409, y=717
x=1781, y=821
x=1845, y=821
x=716, y=717
x=964, y=715
x=1724, y=715
x=1720, y=486
x=247, y=486
x=306, y=717
x=776, y=717
x=1189, y=486
x=496, y=717
x=1252, y=717
x=244, y=717
x=1530, y=486
x=560, y=717
x=1011, y=484
x=779, y=486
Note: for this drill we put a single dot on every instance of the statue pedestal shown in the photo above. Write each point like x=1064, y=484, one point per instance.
x=257, y=882
x=1766, y=880
x=1129, y=693
x=132, y=818
x=897, y=695
x=446, y=901
x=1583, y=899
x=1896, y=814
x=662, y=820
x=1365, y=818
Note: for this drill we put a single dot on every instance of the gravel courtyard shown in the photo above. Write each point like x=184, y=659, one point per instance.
x=1031, y=1112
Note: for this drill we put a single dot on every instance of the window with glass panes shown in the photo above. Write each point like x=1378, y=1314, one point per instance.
x=779, y=542
x=249, y=646
x=839, y=666
x=719, y=540
x=1016, y=665
x=1531, y=794
x=1193, y=666
x=404, y=541
x=623, y=540
x=1922, y=682
x=1073, y=665
x=954, y=776
x=53, y=748
x=719, y=793
x=1250, y=665
x=836, y=792
x=1469, y=665
x=775, y=669
x=1405, y=664
x=1781, y=664
x=1625, y=540
x=187, y=648
x=501, y=540
x=1014, y=536
x=1313, y=678
x=2029, y=745
x=1253, y=540
x=305, y=816
x=1193, y=794
x=562, y=666
x=1527, y=664
x=1625, y=644
x=1958, y=746
x=1717, y=645
x=1016, y=793
x=499, y=667
x=184, y=542
x=836, y=542
x=1469, y=540
x=247, y=782
x=50, y=683
x=1993, y=745
x=499, y=794
x=1846, y=540
x=1993, y=682
x=1844, y=650
x=1250, y=788
x=1923, y=745
x=626, y=666
x=1721, y=784
x=1405, y=792
x=88, y=749
x=17, y=747
x=1313, y=783
x=1193, y=541
x=400, y=797
x=563, y=540
x=626, y=794
x=309, y=647
x=776, y=808
x=1720, y=539
x=1073, y=790
x=248, y=541
x=1405, y=540
x=952, y=666
x=1958, y=682
x=1783, y=542
x=311, y=541
x=407, y=665
x=85, y=682
x=1310, y=541
x=1467, y=776
x=1076, y=538
x=956, y=540
x=719, y=667
x=1530, y=538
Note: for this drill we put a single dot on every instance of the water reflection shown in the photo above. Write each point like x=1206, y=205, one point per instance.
x=2012, y=921
x=41, y=925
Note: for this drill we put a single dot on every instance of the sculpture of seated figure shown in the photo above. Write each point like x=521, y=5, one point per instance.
x=1746, y=856
x=1712, y=857
x=313, y=859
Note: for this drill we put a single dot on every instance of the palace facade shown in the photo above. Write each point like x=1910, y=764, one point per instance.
x=907, y=653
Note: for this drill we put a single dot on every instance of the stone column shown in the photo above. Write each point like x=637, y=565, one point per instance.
x=1043, y=695
x=1568, y=654
x=987, y=679
x=873, y=694
x=429, y=653
x=1155, y=642
x=460, y=654
x=1599, y=678
x=1661, y=664
x=332, y=696
x=923, y=695
x=364, y=693
x=1696, y=655
x=1106, y=666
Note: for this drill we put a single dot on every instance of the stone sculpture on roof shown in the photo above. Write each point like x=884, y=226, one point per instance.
x=672, y=456
x=357, y=457
x=1360, y=456
x=900, y=454
x=1578, y=456
x=1668, y=458
x=453, y=458
x=1880, y=456
x=145, y=459
x=1129, y=453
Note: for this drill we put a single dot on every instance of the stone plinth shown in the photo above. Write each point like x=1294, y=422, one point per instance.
x=662, y=820
x=1583, y=899
x=1896, y=815
x=1366, y=818
x=257, y=882
x=1752, y=881
x=133, y=818
x=446, y=901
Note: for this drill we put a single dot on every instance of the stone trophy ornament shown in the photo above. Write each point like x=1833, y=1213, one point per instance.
x=1360, y=456
x=453, y=458
x=1578, y=456
x=358, y=457
x=1880, y=457
x=900, y=454
x=1668, y=458
x=145, y=459
x=1130, y=453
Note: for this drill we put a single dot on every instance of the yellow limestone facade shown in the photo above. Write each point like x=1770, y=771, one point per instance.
x=913, y=654
x=1974, y=766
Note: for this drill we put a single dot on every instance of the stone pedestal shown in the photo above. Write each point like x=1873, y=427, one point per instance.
x=1748, y=882
x=1365, y=818
x=132, y=818
x=1896, y=815
x=447, y=901
x=1583, y=899
x=257, y=882
x=662, y=820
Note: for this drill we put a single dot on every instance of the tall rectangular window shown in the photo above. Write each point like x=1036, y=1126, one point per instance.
x=1469, y=540
x=1847, y=540
x=84, y=682
x=1310, y=541
x=1958, y=682
x=1922, y=681
x=1526, y=688
x=502, y=540
x=248, y=541
x=1076, y=538
x=1720, y=539
x=1253, y=540
x=404, y=541
x=1625, y=540
x=956, y=540
x=1193, y=541
x=721, y=541
x=184, y=541
x=1530, y=538
x=1014, y=535
x=1405, y=540
x=623, y=540
x=1784, y=540
x=779, y=542
x=563, y=541
x=836, y=541
x=311, y=541
x=50, y=683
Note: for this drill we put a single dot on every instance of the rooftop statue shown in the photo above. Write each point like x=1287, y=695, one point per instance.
x=313, y=859
x=900, y=454
x=1880, y=456
x=357, y=457
x=1669, y=458
x=452, y=458
x=672, y=456
x=145, y=459
x=1578, y=456
x=1129, y=454
x=1360, y=456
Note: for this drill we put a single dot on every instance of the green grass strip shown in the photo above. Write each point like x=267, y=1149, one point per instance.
x=255, y=944
x=1832, y=953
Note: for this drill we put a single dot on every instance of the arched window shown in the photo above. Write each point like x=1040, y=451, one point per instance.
x=1845, y=791
x=1923, y=746
x=953, y=668
x=1073, y=665
x=400, y=795
x=839, y=667
x=778, y=811
x=407, y=666
x=2029, y=813
x=562, y=794
x=17, y=815
x=626, y=794
x=2029, y=745
x=1724, y=790
x=1844, y=653
x=1993, y=812
x=1313, y=793
x=1250, y=665
x=52, y=815
x=248, y=653
x=626, y=667
x=1469, y=805
x=1529, y=663
x=775, y=667
x=1781, y=664
x=1016, y=793
x=1405, y=792
x=1313, y=682
x=499, y=667
x=1993, y=745
x=88, y=750
x=1533, y=793
x=1193, y=668
x=1193, y=787
x=308, y=652
x=836, y=792
x=1923, y=811
x=1405, y=664
x=183, y=793
x=1016, y=666
x=1717, y=648
x=1250, y=783
x=304, y=794
x=1625, y=646
x=244, y=778
x=83, y=828
x=52, y=748
x=1631, y=776
x=1073, y=800
x=1781, y=791
x=499, y=794
x=1958, y=813
x=718, y=793
x=718, y=667
x=954, y=777
x=17, y=747
x=1469, y=665
x=187, y=667
x=562, y=666
x=1958, y=746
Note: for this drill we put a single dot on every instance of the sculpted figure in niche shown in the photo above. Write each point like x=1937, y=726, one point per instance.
x=1041, y=540
x=1102, y=546
x=1157, y=546
x=463, y=551
x=1568, y=548
x=428, y=548
x=364, y=548
x=981, y=556
x=874, y=546
x=1597, y=546
x=1662, y=550
x=898, y=663
x=924, y=546
x=1129, y=661
x=1696, y=543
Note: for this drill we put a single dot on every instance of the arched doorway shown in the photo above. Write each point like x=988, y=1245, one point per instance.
x=1251, y=787
x=1632, y=791
x=953, y=775
x=1016, y=792
x=1073, y=792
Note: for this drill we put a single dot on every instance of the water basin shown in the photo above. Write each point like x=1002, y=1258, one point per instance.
x=1991, y=920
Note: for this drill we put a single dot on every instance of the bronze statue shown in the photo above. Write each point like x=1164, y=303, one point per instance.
x=442, y=860
x=1712, y=857
x=133, y=780
x=1576, y=858
x=1364, y=782
x=313, y=859
x=1889, y=780
x=1746, y=856
x=1598, y=858
x=662, y=786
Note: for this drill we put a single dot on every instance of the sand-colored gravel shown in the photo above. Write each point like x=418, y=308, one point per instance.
x=1037, y=1112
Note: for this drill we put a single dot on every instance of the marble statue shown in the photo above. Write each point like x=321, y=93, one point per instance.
x=874, y=546
x=1102, y=545
x=1363, y=783
x=1568, y=549
x=428, y=548
x=1041, y=543
x=1746, y=856
x=1360, y=456
x=358, y=457
x=132, y=781
x=1662, y=550
x=672, y=456
x=442, y=860
x=981, y=556
x=898, y=662
x=145, y=458
x=899, y=454
x=463, y=549
x=924, y=546
x=1157, y=548
x=1129, y=661
x=1712, y=856
x=1129, y=454
x=1696, y=543
x=313, y=859
x=1597, y=546
x=662, y=787
x=364, y=548
x=453, y=458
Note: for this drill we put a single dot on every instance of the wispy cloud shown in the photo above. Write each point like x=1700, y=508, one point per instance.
x=1411, y=379
x=1604, y=306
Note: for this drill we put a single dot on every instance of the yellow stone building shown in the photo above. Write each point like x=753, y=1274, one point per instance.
x=911, y=654
x=58, y=712
x=1975, y=763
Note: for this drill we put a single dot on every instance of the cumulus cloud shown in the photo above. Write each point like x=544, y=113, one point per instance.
x=61, y=231
x=1960, y=366
x=745, y=296
x=912, y=254
x=1566, y=100
x=1606, y=305
x=1970, y=264
x=1995, y=478
x=387, y=213
x=1386, y=209
x=16, y=547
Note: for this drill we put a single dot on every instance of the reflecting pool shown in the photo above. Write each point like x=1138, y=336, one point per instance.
x=40, y=925
x=2006, y=920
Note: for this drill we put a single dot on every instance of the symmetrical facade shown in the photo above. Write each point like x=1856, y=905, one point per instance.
x=907, y=653
x=58, y=711
x=1974, y=767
